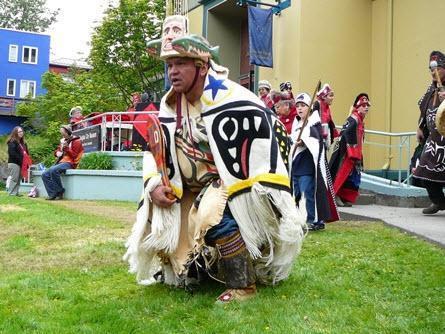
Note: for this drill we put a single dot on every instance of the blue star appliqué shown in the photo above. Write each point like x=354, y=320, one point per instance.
x=215, y=85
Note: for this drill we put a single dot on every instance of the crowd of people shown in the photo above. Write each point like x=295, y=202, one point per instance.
x=346, y=162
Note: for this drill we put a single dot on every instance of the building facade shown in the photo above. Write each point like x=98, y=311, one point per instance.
x=24, y=58
x=380, y=47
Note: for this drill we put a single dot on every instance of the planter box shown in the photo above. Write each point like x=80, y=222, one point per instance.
x=125, y=160
x=81, y=184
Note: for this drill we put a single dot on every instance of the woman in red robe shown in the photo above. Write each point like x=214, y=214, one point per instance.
x=347, y=159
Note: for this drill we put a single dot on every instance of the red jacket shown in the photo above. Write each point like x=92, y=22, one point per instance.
x=289, y=119
x=71, y=153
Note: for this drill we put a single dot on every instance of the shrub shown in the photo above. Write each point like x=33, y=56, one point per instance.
x=3, y=149
x=96, y=160
x=41, y=149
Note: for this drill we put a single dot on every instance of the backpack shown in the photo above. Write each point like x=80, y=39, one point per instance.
x=33, y=192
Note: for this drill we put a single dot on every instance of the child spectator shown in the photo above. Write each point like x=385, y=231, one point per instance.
x=309, y=172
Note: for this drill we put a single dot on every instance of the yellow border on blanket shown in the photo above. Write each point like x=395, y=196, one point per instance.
x=269, y=177
x=150, y=175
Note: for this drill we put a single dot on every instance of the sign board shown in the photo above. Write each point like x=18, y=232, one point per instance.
x=90, y=138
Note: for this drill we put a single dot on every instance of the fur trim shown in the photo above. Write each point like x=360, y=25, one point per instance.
x=165, y=228
x=280, y=238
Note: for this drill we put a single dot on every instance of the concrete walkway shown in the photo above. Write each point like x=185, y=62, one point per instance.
x=411, y=220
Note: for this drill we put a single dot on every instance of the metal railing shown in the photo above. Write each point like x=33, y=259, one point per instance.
x=402, y=146
x=112, y=128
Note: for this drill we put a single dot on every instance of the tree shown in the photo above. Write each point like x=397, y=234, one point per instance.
x=86, y=89
x=118, y=51
x=26, y=15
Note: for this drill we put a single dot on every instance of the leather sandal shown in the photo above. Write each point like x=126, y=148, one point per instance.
x=238, y=295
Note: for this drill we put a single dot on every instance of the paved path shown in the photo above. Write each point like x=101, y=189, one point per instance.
x=411, y=220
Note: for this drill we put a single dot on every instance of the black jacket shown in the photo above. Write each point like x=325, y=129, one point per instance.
x=15, y=154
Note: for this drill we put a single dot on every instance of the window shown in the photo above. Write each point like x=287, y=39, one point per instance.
x=13, y=53
x=29, y=55
x=27, y=87
x=10, y=88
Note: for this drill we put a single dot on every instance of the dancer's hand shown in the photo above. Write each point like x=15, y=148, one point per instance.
x=159, y=196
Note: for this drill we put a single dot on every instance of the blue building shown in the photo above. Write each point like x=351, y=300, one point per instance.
x=24, y=58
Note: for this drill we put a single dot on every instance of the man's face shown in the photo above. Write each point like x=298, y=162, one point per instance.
x=77, y=114
x=172, y=29
x=181, y=72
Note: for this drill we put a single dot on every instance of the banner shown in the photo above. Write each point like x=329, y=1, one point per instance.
x=260, y=36
x=90, y=138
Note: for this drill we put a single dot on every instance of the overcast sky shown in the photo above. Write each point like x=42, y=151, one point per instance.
x=71, y=34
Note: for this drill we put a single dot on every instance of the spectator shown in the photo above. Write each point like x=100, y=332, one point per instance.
x=76, y=118
x=264, y=88
x=347, y=159
x=18, y=160
x=286, y=111
x=309, y=167
x=286, y=88
x=68, y=154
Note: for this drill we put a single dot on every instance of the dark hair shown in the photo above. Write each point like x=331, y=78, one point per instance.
x=14, y=136
x=359, y=96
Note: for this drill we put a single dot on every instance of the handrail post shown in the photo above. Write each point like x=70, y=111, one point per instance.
x=408, y=171
x=120, y=133
x=103, y=133
x=400, y=160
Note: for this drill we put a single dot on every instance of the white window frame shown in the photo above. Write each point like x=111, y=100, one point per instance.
x=7, y=87
x=27, y=82
x=11, y=57
x=30, y=52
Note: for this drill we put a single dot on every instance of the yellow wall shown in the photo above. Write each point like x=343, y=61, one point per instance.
x=195, y=20
x=375, y=46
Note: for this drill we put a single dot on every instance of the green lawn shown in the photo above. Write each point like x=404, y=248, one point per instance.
x=61, y=272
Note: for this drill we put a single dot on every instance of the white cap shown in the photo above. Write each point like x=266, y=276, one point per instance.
x=303, y=97
x=264, y=84
x=74, y=109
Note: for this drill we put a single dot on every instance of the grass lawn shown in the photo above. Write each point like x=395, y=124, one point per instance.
x=61, y=272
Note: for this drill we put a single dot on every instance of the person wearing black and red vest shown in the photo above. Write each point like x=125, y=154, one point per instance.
x=347, y=160
x=68, y=154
